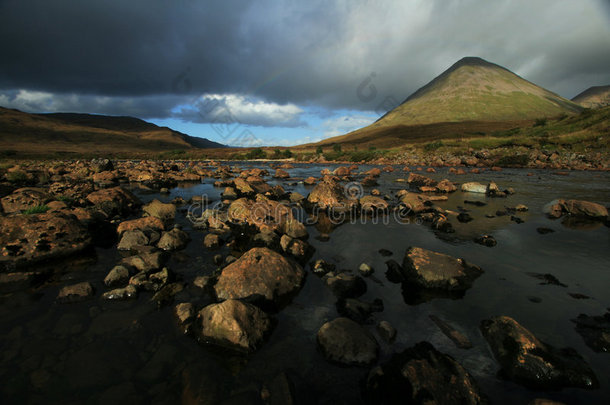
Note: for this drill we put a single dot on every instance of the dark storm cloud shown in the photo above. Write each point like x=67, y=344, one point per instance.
x=151, y=55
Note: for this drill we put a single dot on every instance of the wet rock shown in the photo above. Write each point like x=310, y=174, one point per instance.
x=321, y=267
x=296, y=198
x=357, y=310
x=547, y=279
x=267, y=238
x=432, y=270
x=175, y=239
x=146, y=225
x=476, y=203
x=101, y=165
x=281, y=174
x=365, y=269
x=374, y=172
x=119, y=275
x=229, y=193
x=494, y=191
x=330, y=195
x=394, y=272
x=414, y=203
x=528, y=361
x=114, y=201
x=474, y=187
x=263, y=214
x=345, y=341
x=75, y=292
x=417, y=180
x=373, y=205
x=369, y=181
x=578, y=208
x=165, y=212
x=422, y=375
x=260, y=275
x=516, y=219
x=28, y=239
x=120, y=294
x=456, y=336
x=386, y=331
x=595, y=330
x=445, y=186
x=486, y=240
x=243, y=187
x=310, y=181
x=345, y=285
x=166, y=294
x=544, y=231
x=146, y=262
x=234, y=324
x=385, y=252
x=542, y=401
x=132, y=239
x=464, y=217
x=10, y=282
x=23, y=199
x=185, y=315
x=211, y=241
x=295, y=229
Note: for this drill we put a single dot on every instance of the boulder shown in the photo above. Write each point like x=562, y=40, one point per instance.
x=120, y=294
x=176, y=239
x=577, y=208
x=474, y=187
x=132, y=239
x=386, y=331
x=281, y=174
x=234, y=324
x=145, y=224
x=260, y=275
x=75, y=292
x=211, y=241
x=264, y=214
x=595, y=330
x=330, y=195
x=28, y=239
x=114, y=201
x=146, y=262
x=533, y=363
x=357, y=310
x=185, y=315
x=119, y=275
x=345, y=341
x=445, y=186
x=101, y=165
x=422, y=375
x=373, y=205
x=345, y=285
x=23, y=199
x=165, y=212
x=432, y=270
x=295, y=229
x=417, y=180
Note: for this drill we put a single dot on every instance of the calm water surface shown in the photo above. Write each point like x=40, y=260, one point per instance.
x=132, y=352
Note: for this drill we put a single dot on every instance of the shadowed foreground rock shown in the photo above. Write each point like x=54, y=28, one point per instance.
x=595, y=330
x=234, y=324
x=262, y=276
x=426, y=269
x=528, y=361
x=345, y=341
x=577, y=208
x=114, y=201
x=422, y=375
x=28, y=239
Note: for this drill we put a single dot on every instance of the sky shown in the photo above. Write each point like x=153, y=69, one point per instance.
x=280, y=73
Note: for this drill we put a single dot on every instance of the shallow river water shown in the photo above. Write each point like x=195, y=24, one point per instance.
x=133, y=352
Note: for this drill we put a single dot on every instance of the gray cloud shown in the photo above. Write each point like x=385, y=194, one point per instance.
x=154, y=54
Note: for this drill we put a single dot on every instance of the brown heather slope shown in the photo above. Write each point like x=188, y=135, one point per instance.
x=594, y=97
x=85, y=133
x=471, y=97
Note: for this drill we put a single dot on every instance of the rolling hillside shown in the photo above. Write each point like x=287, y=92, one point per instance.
x=594, y=97
x=87, y=133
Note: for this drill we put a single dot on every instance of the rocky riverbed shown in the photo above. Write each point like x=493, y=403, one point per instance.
x=267, y=282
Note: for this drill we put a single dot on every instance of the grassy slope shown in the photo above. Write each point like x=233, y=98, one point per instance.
x=82, y=133
x=594, y=97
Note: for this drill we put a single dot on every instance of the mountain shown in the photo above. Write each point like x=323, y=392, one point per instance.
x=78, y=133
x=594, y=97
x=473, y=95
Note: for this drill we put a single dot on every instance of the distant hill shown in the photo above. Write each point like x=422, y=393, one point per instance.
x=479, y=95
x=594, y=97
x=88, y=133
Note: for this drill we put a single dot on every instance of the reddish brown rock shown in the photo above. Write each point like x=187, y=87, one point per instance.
x=281, y=174
x=261, y=275
x=114, y=201
x=27, y=239
x=145, y=224
x=23, y=199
